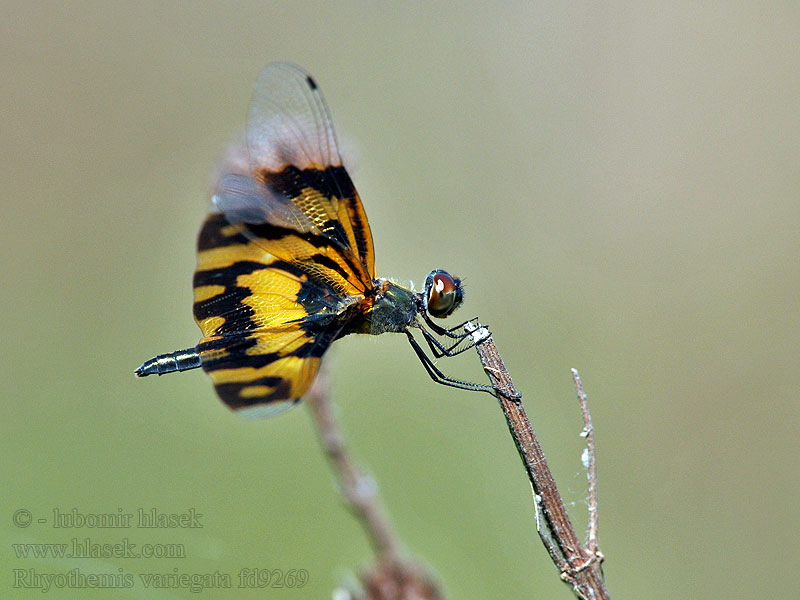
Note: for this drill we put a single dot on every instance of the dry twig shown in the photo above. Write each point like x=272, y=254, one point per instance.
x=392, y=577
x=579, y=567
x=591, y=467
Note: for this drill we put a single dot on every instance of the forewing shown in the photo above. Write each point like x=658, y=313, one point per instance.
x=244, y=200
x=289, y=122
x=293, y=152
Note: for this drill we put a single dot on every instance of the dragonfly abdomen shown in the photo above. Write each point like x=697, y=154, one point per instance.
x=180, y=360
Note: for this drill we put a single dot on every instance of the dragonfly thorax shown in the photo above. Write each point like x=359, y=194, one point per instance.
x=393, y=309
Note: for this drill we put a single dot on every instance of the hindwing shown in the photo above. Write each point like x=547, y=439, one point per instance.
x=266, y=322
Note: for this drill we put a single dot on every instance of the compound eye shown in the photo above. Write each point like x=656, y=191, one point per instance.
x=444, y=293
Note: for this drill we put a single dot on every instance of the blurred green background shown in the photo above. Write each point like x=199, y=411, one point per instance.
x=619, y=185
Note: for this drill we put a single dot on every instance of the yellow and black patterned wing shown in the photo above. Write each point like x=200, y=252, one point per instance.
x=274, y=225
x=294, y=153
x=285, y=260
x=266, y=322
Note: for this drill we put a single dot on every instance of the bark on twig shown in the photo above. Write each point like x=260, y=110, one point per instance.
x=392, y=577
x=357, y=489
x=591, y=467
x=579, y=567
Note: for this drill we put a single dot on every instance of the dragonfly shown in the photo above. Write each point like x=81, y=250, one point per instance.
x=286, y=265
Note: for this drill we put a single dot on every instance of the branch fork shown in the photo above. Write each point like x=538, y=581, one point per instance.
x=393, y=577
x=579, y=566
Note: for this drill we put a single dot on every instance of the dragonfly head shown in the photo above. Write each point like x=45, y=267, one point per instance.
x=443, y=293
